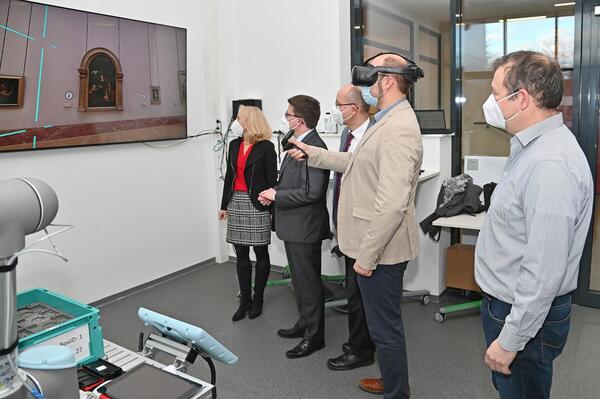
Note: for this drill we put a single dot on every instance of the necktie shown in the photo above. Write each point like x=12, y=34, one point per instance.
x=348, y=142
x=338, y=180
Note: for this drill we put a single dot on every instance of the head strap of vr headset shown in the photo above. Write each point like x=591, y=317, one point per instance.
x=412, y=72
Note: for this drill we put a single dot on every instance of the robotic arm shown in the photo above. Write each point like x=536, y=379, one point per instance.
x=26, y=206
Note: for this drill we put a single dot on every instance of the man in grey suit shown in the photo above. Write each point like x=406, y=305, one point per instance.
x=352, y=111
x=302, y=223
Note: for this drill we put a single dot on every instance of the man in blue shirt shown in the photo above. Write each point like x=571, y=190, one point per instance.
x=528, y=251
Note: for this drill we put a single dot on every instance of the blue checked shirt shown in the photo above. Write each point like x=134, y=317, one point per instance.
x=529, y=248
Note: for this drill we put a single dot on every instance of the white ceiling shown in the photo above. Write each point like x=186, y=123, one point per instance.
x=438, y=11
x=474, y=9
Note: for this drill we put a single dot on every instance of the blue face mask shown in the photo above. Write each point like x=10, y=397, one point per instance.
x=368, y=97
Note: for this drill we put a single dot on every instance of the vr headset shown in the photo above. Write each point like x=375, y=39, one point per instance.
x=366, y=75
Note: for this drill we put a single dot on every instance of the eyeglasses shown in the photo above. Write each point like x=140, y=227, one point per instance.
x=348, y=104
x=292, y=115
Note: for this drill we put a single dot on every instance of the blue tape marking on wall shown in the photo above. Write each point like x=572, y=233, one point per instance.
x=39, y=88
x=45, y=20
x=18, y=33
x=47, y=126
x=12, y=133
x=53, y=46
x=34, y=141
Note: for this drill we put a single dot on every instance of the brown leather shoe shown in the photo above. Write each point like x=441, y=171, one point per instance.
x=372, y=385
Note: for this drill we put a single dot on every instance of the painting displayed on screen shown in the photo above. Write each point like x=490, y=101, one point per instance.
x=74, y=78
x=11, y=91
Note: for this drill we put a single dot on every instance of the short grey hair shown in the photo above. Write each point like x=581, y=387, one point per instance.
x=535, y=72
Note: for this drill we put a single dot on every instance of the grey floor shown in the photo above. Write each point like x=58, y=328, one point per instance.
x=445, y=360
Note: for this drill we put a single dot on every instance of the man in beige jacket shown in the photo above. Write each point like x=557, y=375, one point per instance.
x=377, y=225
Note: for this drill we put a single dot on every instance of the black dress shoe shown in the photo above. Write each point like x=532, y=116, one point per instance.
x=348, y=361
x=294, y=332
x=305, y=348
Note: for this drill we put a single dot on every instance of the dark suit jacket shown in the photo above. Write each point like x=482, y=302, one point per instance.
x=301, y=217
x=260, y=171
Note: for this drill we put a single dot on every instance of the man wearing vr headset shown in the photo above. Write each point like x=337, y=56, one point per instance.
x=377, y=225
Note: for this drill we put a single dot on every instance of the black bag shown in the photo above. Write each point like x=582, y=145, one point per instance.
x=488, y=190
x=457, y=195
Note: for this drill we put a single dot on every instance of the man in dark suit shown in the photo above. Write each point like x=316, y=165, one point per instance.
x=302, y=223
x=353, y=112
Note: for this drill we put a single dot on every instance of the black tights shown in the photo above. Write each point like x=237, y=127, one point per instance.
x=244, y=270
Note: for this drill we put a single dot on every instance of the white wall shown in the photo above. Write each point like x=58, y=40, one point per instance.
x=275, y=49
x=138, y=213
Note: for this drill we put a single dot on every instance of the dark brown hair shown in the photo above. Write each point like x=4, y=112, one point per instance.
x=403, y=84
x=307, y=108
x=535, y=72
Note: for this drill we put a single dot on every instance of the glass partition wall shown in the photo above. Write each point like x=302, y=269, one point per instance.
x=456, y=42
x=486, y=32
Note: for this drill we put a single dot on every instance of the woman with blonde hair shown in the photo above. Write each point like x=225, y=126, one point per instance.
x=251, y=168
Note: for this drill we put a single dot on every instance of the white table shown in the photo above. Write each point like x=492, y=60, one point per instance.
x=462, y=221
x=127, y=359
x=467, y=222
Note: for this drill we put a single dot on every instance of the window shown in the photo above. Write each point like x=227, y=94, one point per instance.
x=485, y=35
x=411, y=30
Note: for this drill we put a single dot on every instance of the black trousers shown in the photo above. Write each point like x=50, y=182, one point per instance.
x=305, y=268
x=382, y=294
x=359, y=337
x=244, y=270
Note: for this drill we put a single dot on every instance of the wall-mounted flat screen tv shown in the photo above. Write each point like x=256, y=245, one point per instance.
x=75, y=78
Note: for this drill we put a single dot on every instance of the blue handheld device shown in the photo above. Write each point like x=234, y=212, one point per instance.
x=188, y=334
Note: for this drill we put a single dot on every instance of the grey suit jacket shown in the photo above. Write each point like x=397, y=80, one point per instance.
x=302, y=217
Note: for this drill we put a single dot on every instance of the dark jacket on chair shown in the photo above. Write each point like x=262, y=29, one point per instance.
x=260, y=171
x=302, y=216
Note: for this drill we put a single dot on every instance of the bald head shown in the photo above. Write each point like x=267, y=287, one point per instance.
x=350, y=102
x=350, y=94
x=391, y=60
x=394, y=61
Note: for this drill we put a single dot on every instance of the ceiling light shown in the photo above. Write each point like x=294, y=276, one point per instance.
x=526, y=18
x=572, y=3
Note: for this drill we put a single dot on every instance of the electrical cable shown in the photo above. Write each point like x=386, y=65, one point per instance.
x=202, y=133
x=220, y=145
x=48, y=237
x=36, y=383
x=36, y=394
x=224, y=149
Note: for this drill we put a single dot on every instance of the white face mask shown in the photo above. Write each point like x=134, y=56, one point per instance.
x=237, y=129
x=338, y=115
x=285, y=126
x=493, y=112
